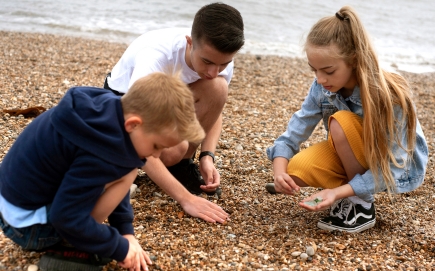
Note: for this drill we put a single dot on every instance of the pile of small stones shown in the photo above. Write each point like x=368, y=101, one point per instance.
x=266, y=232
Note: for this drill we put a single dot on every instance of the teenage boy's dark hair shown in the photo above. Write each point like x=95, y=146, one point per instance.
x=219, y=25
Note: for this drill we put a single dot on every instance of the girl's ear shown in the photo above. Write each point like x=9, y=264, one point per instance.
x=353, y=61
x=132, y=122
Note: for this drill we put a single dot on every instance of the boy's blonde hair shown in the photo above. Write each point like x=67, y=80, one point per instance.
x=380, y=90
x=164, y=101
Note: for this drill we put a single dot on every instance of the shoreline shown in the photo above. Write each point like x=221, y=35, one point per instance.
x=392, y=66
x=37, y=69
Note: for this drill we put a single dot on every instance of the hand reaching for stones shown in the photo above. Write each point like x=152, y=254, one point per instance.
x=136, y=259
x=204, y=209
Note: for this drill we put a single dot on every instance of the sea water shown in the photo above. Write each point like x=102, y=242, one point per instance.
x=402, y=31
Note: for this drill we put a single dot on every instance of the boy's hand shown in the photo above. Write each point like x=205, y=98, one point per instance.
x=209, y=173
x=327, y=198
x=285, y=184
x=204, y=209
x=136, y=259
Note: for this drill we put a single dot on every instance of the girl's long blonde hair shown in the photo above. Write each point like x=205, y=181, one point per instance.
x=380, y=90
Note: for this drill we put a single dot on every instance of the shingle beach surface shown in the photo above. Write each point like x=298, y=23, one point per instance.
x=266, y=232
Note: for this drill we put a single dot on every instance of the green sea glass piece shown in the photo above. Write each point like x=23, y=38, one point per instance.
x=314, y=202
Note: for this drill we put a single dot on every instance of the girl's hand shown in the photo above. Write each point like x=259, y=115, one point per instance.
x=285, y=184
x=136, y=259
x=325, y=199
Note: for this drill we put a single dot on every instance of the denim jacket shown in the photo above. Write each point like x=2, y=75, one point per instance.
x=320, y=104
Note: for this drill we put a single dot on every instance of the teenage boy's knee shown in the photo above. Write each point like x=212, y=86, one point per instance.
x=216, y=90
x=221, y=89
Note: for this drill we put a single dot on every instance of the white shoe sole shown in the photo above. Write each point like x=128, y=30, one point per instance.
x=326, y=226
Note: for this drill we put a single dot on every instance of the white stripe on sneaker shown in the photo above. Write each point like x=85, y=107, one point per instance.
x=353, y=220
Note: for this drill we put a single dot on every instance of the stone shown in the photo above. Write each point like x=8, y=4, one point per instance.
x=133, y=190
x=310, y=251
x=296, y=253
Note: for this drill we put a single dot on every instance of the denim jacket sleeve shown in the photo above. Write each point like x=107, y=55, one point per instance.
x=407, y=178
x=300, y=126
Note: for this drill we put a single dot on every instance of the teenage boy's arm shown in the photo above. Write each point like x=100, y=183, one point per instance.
x=208, y=170
x=193, y=205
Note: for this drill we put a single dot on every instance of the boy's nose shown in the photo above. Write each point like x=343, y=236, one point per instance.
x=213, y=71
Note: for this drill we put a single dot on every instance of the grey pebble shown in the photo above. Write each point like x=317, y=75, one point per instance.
x=310, y=251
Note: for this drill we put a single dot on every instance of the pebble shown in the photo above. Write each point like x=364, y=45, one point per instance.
x=32, y=267
x=157, y=194
x=239, y=148
x=133, y=190
x=310, y=251
x=296, y=253
x=303, y=256
x=231, y=236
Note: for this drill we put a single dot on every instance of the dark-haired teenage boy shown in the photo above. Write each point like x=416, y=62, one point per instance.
x=204, y=54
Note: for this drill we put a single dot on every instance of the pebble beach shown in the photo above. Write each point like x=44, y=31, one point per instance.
x=266, y=232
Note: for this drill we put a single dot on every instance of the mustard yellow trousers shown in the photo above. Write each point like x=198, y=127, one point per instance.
x=320, y=165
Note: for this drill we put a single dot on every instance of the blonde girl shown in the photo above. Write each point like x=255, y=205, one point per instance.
x=375, y=142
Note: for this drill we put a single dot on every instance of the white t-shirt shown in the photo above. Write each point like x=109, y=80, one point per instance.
x=159, y=50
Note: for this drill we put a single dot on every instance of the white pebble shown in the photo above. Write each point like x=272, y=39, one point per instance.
x=296, y=253
x=304, y=256
x=133, y=190
x=32, y=267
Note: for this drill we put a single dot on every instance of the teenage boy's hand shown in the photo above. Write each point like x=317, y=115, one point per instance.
x=204, y=209
x=209, y=174
x=136, y=259
x=193, y=205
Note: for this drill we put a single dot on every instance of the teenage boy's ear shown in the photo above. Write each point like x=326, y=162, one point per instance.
x=189, y=40
x=131, y=122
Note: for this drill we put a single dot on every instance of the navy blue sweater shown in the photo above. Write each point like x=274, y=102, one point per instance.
x=65, y=157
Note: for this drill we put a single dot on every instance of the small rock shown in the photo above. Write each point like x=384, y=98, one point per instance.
x=296, y=253
x=157, y=194
x=231, y=236
x=340, y=246
x=303, y=257
x=314, y=246
x=133, y=190
x=32, y=267
x=310, y=251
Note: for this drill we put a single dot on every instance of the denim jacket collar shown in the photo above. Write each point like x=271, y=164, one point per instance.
x=354, y=98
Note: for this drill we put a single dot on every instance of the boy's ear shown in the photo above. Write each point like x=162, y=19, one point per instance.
x=189, y=40
x=132, y=122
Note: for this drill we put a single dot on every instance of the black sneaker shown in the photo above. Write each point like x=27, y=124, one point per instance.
x=348, y=216
x=338, y=206
x=270, y=187
x=62, y=258
x=187, y=173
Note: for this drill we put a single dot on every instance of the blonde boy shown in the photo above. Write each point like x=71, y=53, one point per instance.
x=72, y=168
